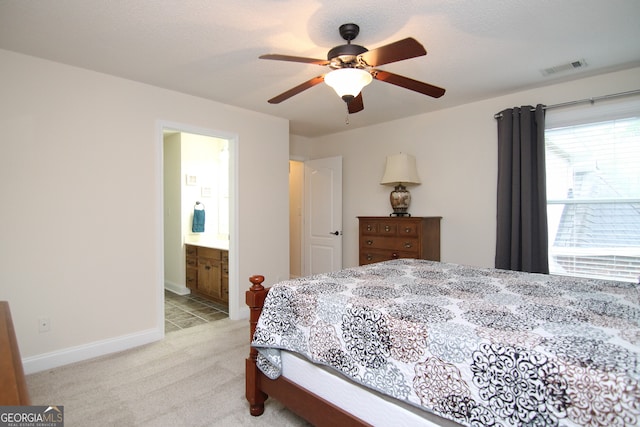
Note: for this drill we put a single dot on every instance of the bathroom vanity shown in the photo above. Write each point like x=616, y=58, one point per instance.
x=207, y=271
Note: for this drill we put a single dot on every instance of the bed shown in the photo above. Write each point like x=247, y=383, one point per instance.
x=446, y=344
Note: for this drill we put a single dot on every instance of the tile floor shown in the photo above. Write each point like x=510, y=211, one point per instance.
x=183, y=311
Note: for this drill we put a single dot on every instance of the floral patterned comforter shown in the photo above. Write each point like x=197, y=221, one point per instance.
x=482, y=347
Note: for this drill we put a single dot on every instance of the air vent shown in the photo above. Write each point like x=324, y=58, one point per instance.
x=581, y=63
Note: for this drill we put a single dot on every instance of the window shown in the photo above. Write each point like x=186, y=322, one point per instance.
x=593, y=192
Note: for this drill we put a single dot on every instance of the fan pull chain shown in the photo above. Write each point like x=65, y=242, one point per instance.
x=346, y=119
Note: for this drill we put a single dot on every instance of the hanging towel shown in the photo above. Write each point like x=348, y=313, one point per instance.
x=198, y=218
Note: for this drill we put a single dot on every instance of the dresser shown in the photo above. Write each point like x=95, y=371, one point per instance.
x=383, y=238
x=207, y=272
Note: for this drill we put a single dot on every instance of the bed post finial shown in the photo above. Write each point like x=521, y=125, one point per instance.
x=257, y=282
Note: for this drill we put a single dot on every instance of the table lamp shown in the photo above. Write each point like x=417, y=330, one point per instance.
x=399, y=172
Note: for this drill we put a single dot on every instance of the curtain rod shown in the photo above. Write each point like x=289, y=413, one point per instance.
x=583, y=101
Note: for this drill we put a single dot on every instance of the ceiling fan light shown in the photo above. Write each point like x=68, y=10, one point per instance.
x=348, y=82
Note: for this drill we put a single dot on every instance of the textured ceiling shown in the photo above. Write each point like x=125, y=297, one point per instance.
x=476, y=49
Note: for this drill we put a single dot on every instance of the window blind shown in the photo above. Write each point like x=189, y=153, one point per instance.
x=593, y=195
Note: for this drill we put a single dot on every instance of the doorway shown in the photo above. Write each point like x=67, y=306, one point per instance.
x=296, y=210
x=197, y=171
x=315, y=216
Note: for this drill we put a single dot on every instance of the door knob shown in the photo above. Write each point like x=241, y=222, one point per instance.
x=335, y=233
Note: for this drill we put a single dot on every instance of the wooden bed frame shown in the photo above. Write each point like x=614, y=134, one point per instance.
x=13, y=387
x=259, y=387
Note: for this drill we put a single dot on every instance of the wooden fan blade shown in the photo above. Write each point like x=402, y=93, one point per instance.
x=296, y=90
x=398, y=51
x=356, y=104
x=408, y=83
x=277, y=57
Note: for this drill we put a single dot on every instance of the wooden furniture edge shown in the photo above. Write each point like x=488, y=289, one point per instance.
x=254, y=298
x=299, y=400
x=13, y=386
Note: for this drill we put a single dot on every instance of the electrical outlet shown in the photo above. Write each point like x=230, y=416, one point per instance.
x=44, y=325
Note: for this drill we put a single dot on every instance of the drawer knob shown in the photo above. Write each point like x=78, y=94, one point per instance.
x=394, y=255
x=407, y=230
x=369, y=242
x=387, y=228
x=407, y=245
x=369, y=257
x=368, y=227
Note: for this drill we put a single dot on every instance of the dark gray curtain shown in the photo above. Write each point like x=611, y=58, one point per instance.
x=521, y=240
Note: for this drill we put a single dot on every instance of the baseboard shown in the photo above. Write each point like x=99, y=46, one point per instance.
x=69, y=355
x=177, y=289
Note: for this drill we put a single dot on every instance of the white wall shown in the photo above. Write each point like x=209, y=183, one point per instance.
x=81, y=191
x=456, y=151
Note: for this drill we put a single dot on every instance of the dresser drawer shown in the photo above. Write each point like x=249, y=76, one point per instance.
x=190, y=250
x=192, y=278
x=225, y=265
x=376, y=228
x=371, y=256
x=192, y=262
x=390, y=228
x=209, y=253
x=393, y=243
x=369, y=228
x=225, y=288
x=409, y=229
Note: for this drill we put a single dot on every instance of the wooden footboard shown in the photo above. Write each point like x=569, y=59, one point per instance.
x=13, y=387
x=259, y=387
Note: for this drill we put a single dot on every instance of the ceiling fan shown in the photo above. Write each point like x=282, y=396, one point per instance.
x=352, y=69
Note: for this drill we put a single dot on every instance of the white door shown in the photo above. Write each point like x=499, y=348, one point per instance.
x=323, y=215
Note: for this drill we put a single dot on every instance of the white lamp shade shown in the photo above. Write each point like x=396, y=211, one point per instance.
x=348, y=81
x=401, y=169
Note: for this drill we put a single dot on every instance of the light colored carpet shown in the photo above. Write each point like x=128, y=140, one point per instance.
x=194, y=377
